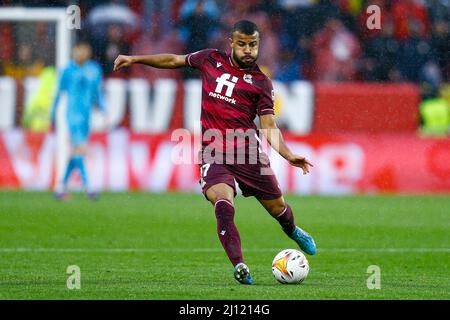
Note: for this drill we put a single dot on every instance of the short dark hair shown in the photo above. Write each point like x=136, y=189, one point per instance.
x=82, y=43
x=246, y=27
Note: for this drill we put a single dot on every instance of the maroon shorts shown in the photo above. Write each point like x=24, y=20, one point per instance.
x=256, y=180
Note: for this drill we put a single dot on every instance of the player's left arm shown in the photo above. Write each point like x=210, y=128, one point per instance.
x=275, y=138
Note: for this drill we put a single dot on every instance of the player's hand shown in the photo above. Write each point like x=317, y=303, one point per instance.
x=300, y=162
x=122, y=62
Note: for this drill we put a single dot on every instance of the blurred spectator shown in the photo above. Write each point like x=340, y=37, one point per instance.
x=298, y=21
x=237, y=10
x=349, y=10
x=414, y=53
x=111, y=13
x=435, y=113
x=335, y=52
x=209, y=8
x=24, y=64
x=289, y=68
x=111, y=25
x=7, y=41
x=45, y=35
x=152, y=11
x=111, y=47
x=199, y=20
x=153, y=43
x=430, y=79
x=353, y=7
x=407, y=14
x=175, y=11
x=440, y=43
x=271, y=7
x=438, y=9
x=37, y=110
x=312, y=39
x=381, y=54
x=35, y=3
x=295, y=4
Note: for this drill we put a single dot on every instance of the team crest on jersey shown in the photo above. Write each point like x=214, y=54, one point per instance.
x=248, y=78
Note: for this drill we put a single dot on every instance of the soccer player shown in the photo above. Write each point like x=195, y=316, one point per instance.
x=82, y=81
x=234, y=92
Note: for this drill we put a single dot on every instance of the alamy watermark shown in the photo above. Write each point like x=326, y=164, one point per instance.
x=230, y=147
x=374, y=280
x=73, y=19
x=374, y=20
x=74, y=280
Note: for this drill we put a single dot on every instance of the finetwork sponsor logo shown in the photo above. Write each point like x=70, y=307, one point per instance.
x=224, y=81
x=221, y=97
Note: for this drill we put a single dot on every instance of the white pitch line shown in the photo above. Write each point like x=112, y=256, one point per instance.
x=212, y=250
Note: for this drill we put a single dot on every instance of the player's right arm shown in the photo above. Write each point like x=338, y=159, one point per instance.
x=165, y=60
x=160, y=61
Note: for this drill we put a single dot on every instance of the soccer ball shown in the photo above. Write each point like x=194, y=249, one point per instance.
x=290, y=266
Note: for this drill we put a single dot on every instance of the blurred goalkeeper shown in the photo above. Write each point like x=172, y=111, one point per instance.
x=82, y=82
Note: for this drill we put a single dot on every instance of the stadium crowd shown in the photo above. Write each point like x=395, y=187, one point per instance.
x=302, y=39
x=317, y=40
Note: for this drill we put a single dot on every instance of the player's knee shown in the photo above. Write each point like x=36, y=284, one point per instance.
x=221, y=196
x=277, y=208
x=215, y=194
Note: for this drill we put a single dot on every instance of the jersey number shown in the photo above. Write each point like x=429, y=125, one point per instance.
x=203, y=172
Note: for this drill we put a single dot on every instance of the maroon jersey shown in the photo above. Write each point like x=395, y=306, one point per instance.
x=231, y=96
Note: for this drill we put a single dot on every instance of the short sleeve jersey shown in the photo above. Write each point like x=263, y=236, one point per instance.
x=231, y=97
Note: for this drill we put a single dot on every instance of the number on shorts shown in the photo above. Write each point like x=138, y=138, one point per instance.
x=203, y=172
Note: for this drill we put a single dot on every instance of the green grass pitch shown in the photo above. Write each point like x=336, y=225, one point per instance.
x=164, y=246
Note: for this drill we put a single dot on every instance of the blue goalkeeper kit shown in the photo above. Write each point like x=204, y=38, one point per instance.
x=83, y=85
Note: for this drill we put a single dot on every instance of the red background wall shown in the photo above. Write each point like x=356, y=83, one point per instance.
x=366, y=107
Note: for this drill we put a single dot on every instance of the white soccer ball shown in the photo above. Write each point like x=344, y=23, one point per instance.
x=290, y=266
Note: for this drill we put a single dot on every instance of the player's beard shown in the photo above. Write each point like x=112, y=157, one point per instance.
x=241, y=63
